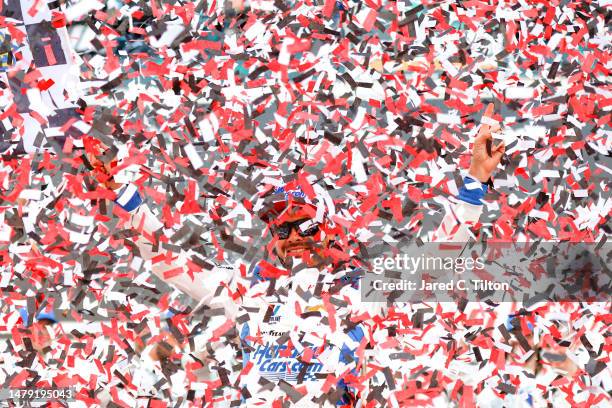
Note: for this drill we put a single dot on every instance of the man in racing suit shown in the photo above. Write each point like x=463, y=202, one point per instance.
x=302, y=328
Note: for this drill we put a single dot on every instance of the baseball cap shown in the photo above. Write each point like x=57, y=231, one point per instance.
x=280, y=199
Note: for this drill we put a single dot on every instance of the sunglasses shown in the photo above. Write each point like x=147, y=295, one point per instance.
x=282, y=231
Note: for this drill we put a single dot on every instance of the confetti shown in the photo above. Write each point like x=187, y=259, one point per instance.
x=154, y=154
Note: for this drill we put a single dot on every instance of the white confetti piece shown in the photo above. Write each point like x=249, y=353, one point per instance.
x=193, y=156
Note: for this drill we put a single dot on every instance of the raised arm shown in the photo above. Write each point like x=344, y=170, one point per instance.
x=209, y=287
x=204, y=287
x=465, y=213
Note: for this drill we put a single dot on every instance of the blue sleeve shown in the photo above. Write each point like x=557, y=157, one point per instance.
x=256, y=278
x=244, y=333
x=129, y=198
x=473, y=191
x=347, y=355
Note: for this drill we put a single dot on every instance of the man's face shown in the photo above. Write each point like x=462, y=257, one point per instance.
x=296, y=233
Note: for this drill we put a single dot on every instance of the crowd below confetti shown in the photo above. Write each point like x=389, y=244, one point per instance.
x=194, y=235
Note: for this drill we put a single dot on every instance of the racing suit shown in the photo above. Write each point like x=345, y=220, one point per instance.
x=302, y=338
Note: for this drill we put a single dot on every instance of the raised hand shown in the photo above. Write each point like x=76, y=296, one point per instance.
x=485, y=155
x=164, y=349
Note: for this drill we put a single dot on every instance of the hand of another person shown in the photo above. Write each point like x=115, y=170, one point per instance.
x=164, y=348
x=557, y=358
